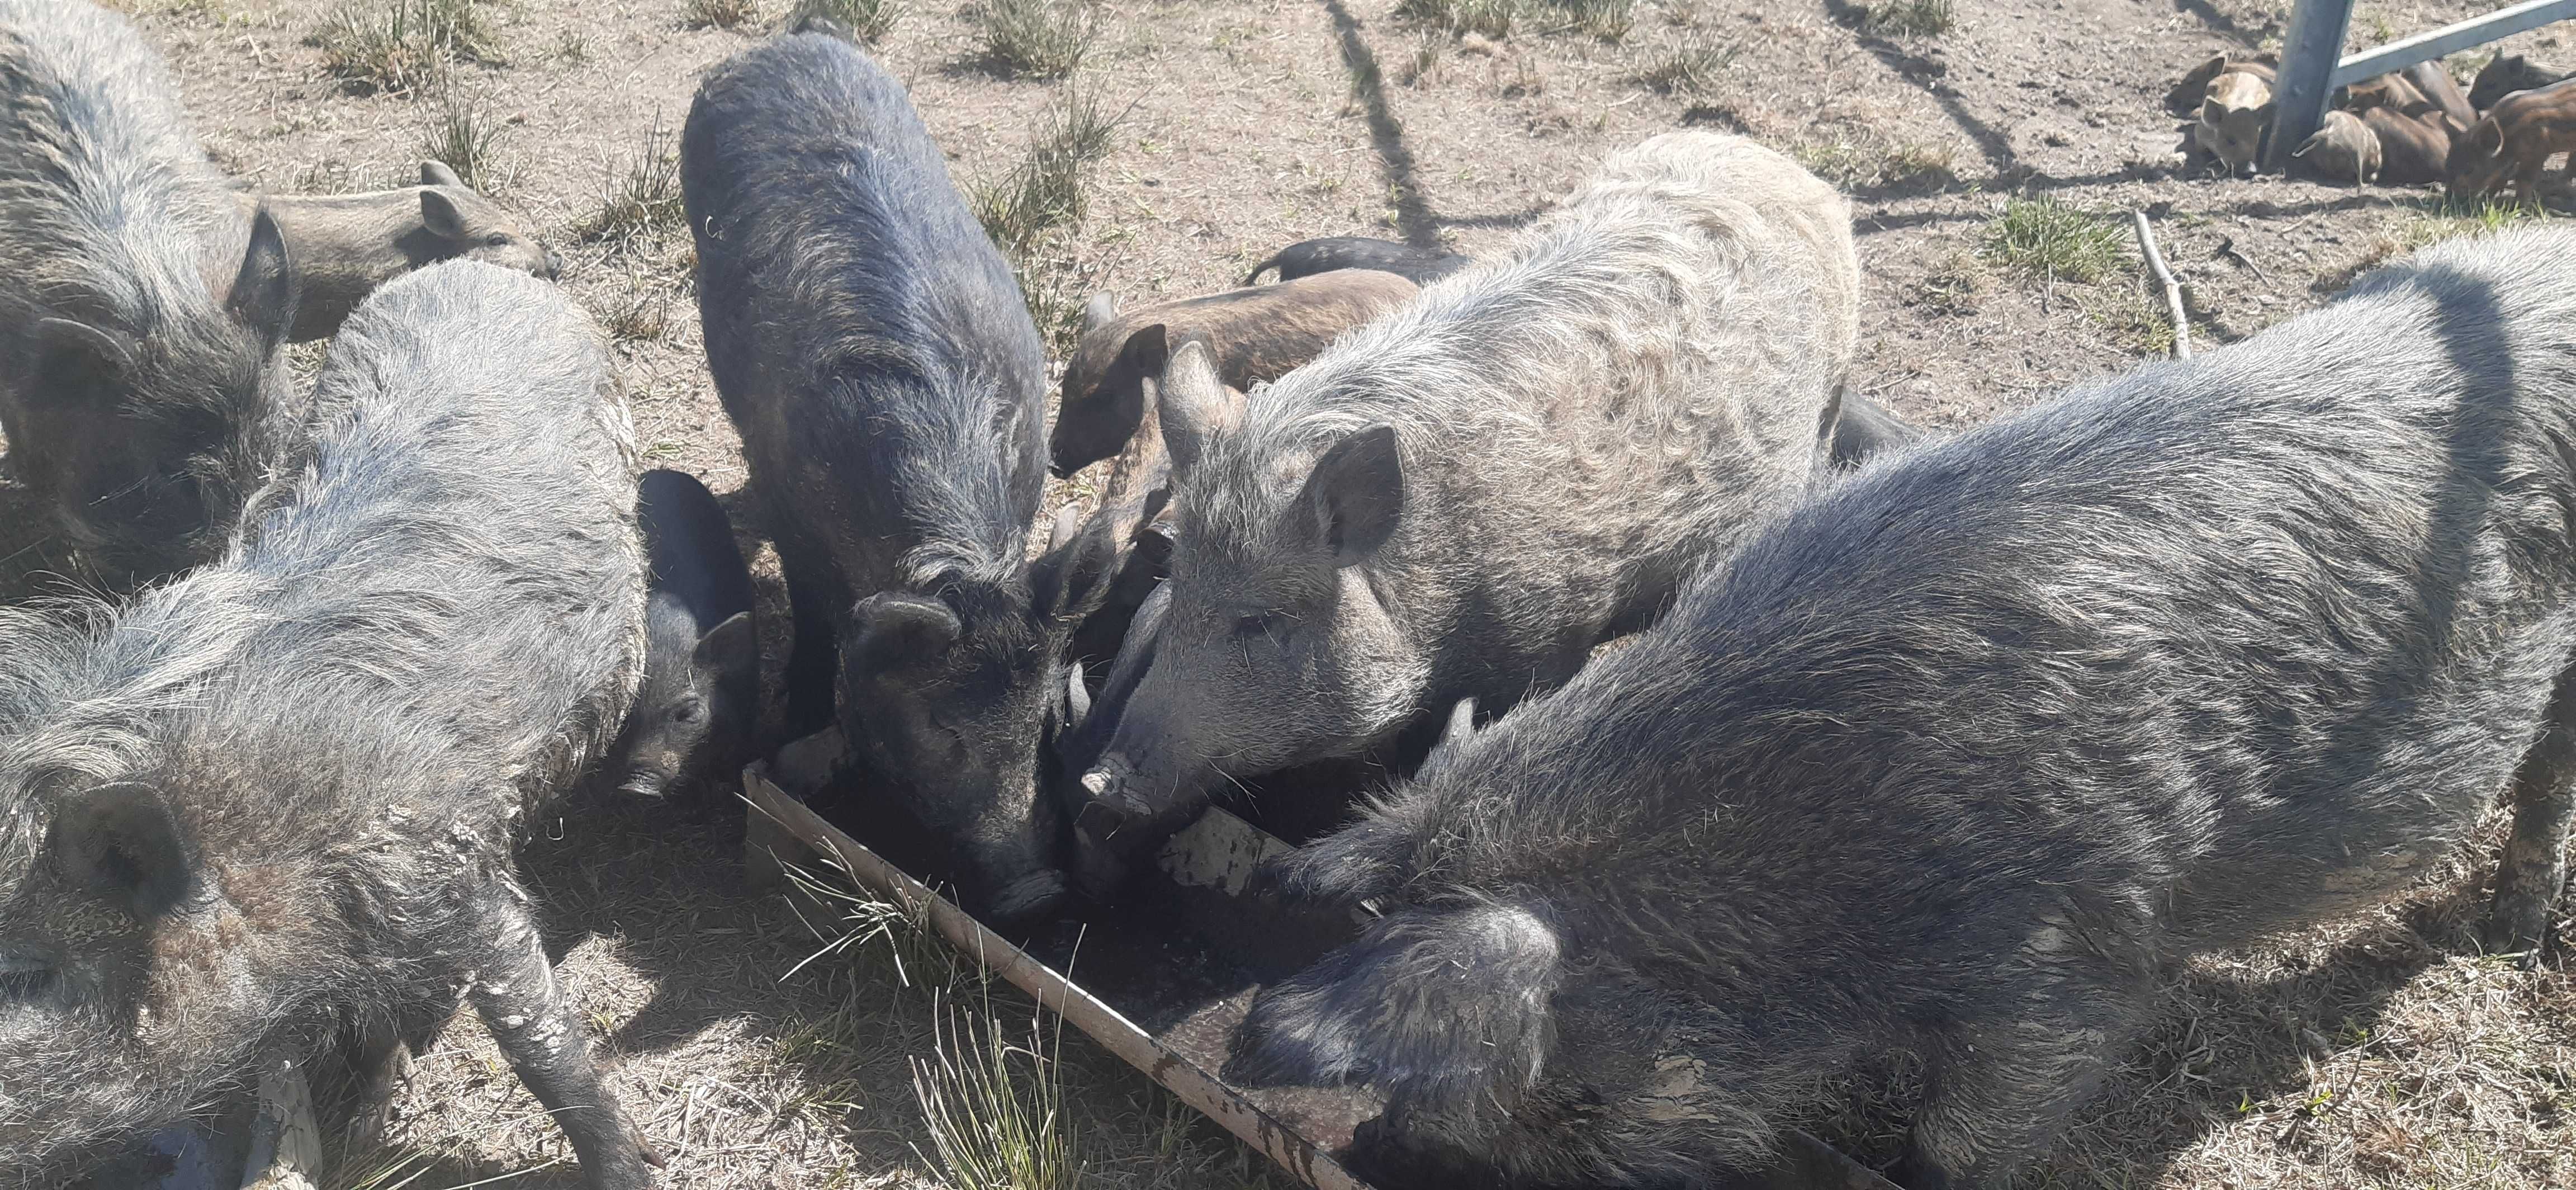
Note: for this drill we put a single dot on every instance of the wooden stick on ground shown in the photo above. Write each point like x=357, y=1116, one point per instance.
x=2173, y=289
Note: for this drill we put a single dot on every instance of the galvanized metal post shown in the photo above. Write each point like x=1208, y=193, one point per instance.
x=2309, y=53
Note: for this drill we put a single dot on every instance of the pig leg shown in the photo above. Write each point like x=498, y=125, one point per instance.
x=811, y=657
x=2000, y=1083
x=2535, y=855
x=513, y=987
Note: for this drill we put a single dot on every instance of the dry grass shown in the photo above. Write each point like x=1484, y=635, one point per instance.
x=1037, y=38
x=1693, y=66
x=1866, y=159
x=642, y=200
x=1608, y=20
x=402, y=46
x=462, y=136
x=1956, y=286
x=719, y=14
x=867, y=20
x=1029, y=209
x=1485, y=18
x=2049, y=240
x=1909, y=18
x=640, y=312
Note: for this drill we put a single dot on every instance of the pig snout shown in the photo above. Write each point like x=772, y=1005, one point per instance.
x=1117, y=826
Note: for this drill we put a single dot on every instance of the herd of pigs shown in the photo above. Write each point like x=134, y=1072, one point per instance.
x=1940, y=744
x=2404, y=128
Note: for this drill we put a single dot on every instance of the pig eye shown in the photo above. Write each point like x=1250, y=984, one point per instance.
x=1260, y=624
x=689, y=710
x=497, y=239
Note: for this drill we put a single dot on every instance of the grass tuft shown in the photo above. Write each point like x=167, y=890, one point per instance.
x=1037, y=38
x=640, y=312
x=1694, y=67
x=1485, y=18
x=2049, y=240
x=867, y=20
x=401, y=46
x=994, y=1106
x=645, y=200
x=1855, y=158
x=1909, y=18
x=462, y=137
x=1045, y=190
x=720, y=14
x=2426, y=223
x=1607, y=20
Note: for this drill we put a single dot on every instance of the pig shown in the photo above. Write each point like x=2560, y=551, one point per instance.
x=693, y=721
x=1861, y=428
x=142, y=391
x=1464, y=497
x=2412, y=149
x=2513, y=142
x=870, y=345
x=1954, y=758
x=2342, y=147
x=2505, y=74
x=2184, y=99
x=2236, y=116
x=1422, y=266
x=1258, y=335
x=345, y=245
x=2442, y=91
x=274, y=801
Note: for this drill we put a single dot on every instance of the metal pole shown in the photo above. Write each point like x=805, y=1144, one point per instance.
x=2309, y=53
x=2407, y=51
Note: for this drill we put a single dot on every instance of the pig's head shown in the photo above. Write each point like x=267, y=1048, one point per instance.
x=1281, y=644
x=693, y=718
x=2234, y=114
x=137, y=408
x=147, y=956
x=2477, y=162
x=1103, y=400
x=949, y=695
x=458, y=223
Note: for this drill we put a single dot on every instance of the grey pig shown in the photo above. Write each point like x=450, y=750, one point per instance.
x=870, y=345
x=1461, y=499
x=141, y=391
x=1954, y=759
x=276, y=800
x=345, y=245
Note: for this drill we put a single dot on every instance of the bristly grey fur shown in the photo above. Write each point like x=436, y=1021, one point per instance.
x=1582, y=420
x=870, y=345
x=1954, y=758
x=434, y=624
x=111, y=215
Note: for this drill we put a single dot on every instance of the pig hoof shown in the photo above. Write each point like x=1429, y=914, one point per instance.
x=2518, y=925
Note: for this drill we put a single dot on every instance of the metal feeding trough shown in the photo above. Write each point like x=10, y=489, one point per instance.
x=1166, y=979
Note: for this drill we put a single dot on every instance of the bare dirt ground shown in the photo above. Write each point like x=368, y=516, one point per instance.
x=2384, y=1053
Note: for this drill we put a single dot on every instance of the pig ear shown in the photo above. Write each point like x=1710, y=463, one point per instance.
x=75, y=361
x=1077, y=695
x=1355, y=497
x=266, y=289
x=1069, y=579
x=436, y=173
x=1193, y=404
x=438, y=213
x=899, y=632
x=123, y=842
x=729, y=647
x=1100, y=311
x=1462, y=723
